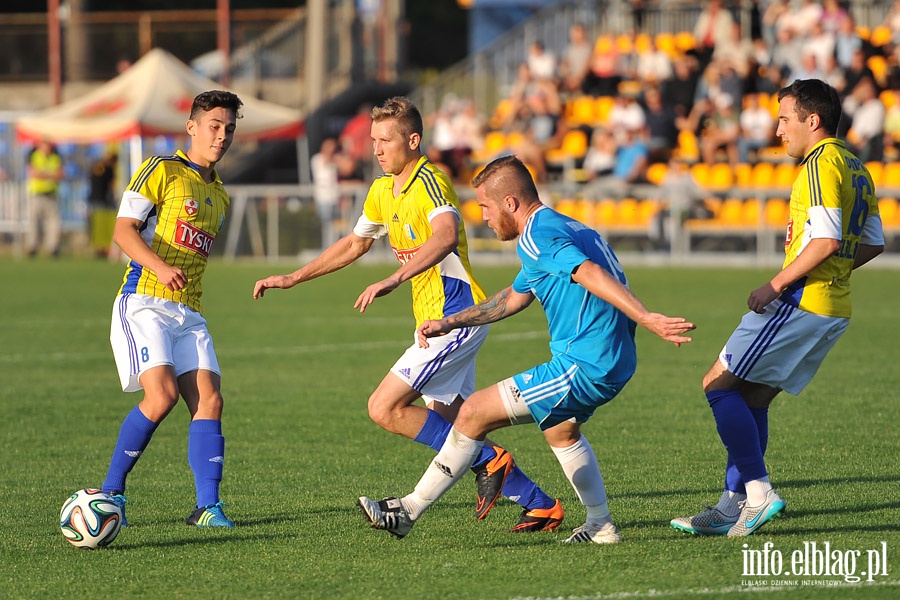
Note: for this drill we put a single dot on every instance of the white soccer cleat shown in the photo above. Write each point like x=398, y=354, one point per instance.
x=754, y=517
x=595, y=534
x=387, y=514
x=711, y=521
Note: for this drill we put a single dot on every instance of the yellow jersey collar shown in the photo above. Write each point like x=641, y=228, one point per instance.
x=412, y=177
x=179, y=154
x=830, y=140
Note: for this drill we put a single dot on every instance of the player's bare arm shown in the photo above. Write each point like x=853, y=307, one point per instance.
x=504, y=303
x=127, y=236
x=814, y=254
x=337, y=256
x=444, y=240
x=603, y=285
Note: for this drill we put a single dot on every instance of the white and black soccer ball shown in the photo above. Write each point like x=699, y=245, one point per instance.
x=90, y=519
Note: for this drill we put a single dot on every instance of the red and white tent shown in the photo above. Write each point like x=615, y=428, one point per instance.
x=153, y=97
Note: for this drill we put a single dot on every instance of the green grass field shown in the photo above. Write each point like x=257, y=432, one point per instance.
x=298, y=368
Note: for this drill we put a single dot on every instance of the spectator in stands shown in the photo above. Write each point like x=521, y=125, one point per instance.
x=892, y=21
x=544, y=111
x=600, y=158
x=803, y=16
x=661, y=126
x=892, y=132
x=576, y=60
x=833, y=14
x=808, y=69
x=603, y=77
x=469, y=129
x=786, y=52
x=629, y=169
x=45, y=171
x=654, y=66
x=832, y=73
x=721, y=131
x=541, y=62
x=820, y=42
x=626, y=115
x=679, y=90
x=857, y=71
x=772, y=21
x=683, y=199
x=757, y=129
x=735, y=50
x=713, y=28
x=867, y=113
x=846, y=42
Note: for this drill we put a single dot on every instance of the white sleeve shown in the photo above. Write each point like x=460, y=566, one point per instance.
x=872, y=233
x=134, y=206
x=366, y=228
x=442, y=209
x=824, y=222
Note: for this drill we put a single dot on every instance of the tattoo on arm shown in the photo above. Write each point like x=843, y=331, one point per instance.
x=487, y=311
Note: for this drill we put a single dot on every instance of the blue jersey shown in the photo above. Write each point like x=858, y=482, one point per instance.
x=589, y=331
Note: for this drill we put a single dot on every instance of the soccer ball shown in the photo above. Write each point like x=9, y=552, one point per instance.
x=90, y=519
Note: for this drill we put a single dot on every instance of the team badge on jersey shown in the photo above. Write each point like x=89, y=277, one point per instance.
x=191, y=207
x=409, y=231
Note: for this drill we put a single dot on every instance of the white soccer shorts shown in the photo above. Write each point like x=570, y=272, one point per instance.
x=446, y=369
x=148, y=332
x=783, y=347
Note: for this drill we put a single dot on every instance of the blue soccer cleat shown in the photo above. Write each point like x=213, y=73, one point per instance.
x=210, y=516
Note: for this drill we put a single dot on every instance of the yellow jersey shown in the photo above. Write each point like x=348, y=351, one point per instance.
x=180, y=223
x=833, y=179
x=449, y=286
x=40, y=162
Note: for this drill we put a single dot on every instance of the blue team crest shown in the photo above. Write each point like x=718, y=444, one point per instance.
x=208, y=201
x=409, y=232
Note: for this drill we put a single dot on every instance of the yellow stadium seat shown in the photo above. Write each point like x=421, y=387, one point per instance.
x=628, y=212
x=688, y=148
x=732, y=211
x=642, y=43
x=657, y=172
x=665, y=41
x=494, y=143
x=501, y=113
x=581, y=111
x=471, y=212
x=863, y=32
x=566, y=206
x=624, y=44
x=573, y=146
x=784, y=175
x=647, y=209
x=880, y=36
x=776, y=212
x=890, y=176
x=700, y=172
x=720, y=177
x=604, y=44
x=743, y=175
x=602, y=106
x=890, y=213
x=888, y=98
x=751, y=211
x=879, y=67
x=605, y=213
x=584, y=211
x=685, y=41
x=762, y=175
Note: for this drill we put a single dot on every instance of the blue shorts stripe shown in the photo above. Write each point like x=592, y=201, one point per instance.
x=126, y=327
x=435, y=365
x=762, y=341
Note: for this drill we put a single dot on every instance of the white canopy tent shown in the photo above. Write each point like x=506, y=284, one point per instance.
x=153, y=97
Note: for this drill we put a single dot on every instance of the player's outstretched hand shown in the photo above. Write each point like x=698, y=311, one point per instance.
x=668, y=328
x=376, y=290
x=429, y=329
x=275, y=281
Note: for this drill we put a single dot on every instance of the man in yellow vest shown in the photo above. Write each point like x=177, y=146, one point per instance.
x=44, y=174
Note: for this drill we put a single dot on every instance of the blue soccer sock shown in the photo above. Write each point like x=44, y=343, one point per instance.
x=739, y=433
x=518, y=487
x=206, y=456
x=733, y=480
x=134, y=435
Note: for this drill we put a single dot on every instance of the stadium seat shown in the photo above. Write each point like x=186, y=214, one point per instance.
x=876, y=170
x=700, y=173
x=605, y=213
x=604, y=44
x=784, y=175
x=628, y=214
x=584, y=211
x=602, y=106
x=731, y=212
x=864, y=33
x=573, y=147
x=889, y=210
x=776, y=212
x=890, y=176
x=743, y=175
x=624, y=44
x=657, y=172
x=501, y=113
x=665, y=41
x=888, y=98
x=494, y=143
x=566, y=206
x=762, y=175
x=471, y=212
x=880, y=36
x=751, y=212
x=642, y=43
x=879, y=67
x=581, y=111
x=647, y=209
x=720, y=177
x=688, y=148
x=685, y=41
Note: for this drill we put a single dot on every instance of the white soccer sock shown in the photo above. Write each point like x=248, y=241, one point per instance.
x=582, y=470
x=728, y=503
x=453, y=461
x=757, y=490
